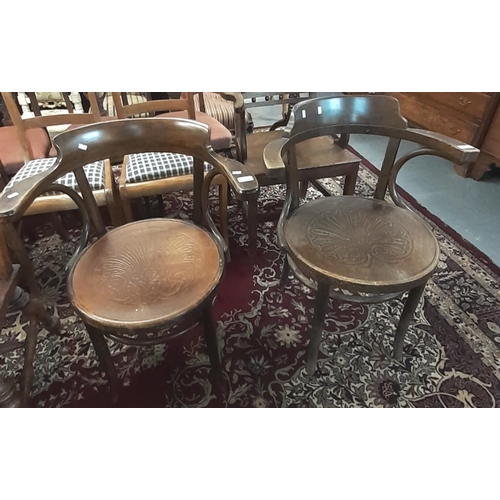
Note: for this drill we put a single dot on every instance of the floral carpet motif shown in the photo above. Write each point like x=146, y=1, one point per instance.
x=451, y=356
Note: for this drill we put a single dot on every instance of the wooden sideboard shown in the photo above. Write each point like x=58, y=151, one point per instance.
x=472, y=117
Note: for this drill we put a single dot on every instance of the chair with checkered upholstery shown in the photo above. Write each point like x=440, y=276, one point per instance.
x=26, y=151
x=153, y=174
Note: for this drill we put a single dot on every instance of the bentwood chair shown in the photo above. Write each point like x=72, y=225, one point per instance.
x=11, y=294
x=357, y=249
x=321, y=158
x=141, y=278
x=154, y=173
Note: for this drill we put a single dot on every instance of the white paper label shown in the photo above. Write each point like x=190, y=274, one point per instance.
x=248, y=178
x=237, y=172
x=83, y=147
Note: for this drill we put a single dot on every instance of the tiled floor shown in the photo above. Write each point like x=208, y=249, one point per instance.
x=471, y=208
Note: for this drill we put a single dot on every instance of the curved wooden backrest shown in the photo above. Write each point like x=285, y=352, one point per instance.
x=370, y=114
x=42, y=121
x=126, y=110
x=345, y=114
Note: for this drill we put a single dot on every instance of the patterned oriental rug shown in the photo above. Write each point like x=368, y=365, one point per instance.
x=451, y=358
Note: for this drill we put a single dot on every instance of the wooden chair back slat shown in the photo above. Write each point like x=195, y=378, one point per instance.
x=124, y=109
x=22, y=124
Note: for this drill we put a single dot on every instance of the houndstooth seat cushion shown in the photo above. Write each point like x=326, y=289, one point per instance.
x=145, y=167
x=94, y=173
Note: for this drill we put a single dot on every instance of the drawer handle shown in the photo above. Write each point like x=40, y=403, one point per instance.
x=455, y=130
x=464, y=101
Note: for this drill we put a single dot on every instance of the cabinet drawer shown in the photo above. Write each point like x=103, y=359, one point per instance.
x=472, y=104
x=491, y=143
x=430, y=118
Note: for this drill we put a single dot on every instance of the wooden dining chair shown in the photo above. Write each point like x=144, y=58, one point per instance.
x=154, y=173
x=216, y=106
x=13, y=296
x=321, y=158
x=358, y=249
x=31, y=162
x=99, y=174
x=141, y=278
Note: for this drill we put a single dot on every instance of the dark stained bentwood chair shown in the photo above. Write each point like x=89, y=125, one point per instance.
x=372, y=249
x=147, y=276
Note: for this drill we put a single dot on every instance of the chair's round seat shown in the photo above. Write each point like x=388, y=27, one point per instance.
x=146, y=274
x=361, y=244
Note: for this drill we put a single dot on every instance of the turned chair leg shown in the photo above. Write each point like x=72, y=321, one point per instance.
x=161, y=206
x=408, y=312
x=102, y=351
x=210, y=331
x=58, y=226
x=285, y=272
x=350, y=183
x=321, y=303
x=147, y=202
x=303, y=187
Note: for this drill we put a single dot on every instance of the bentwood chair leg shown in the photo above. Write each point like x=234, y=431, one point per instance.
x=408, y=312
x=321, y=303
x=285, y=271
x=252, y=227
x=210, y=331
x=102, y=350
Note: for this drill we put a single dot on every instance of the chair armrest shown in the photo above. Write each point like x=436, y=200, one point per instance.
x=243, y=182
x=456, y=151
x=273, y=157
x=15, y=200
